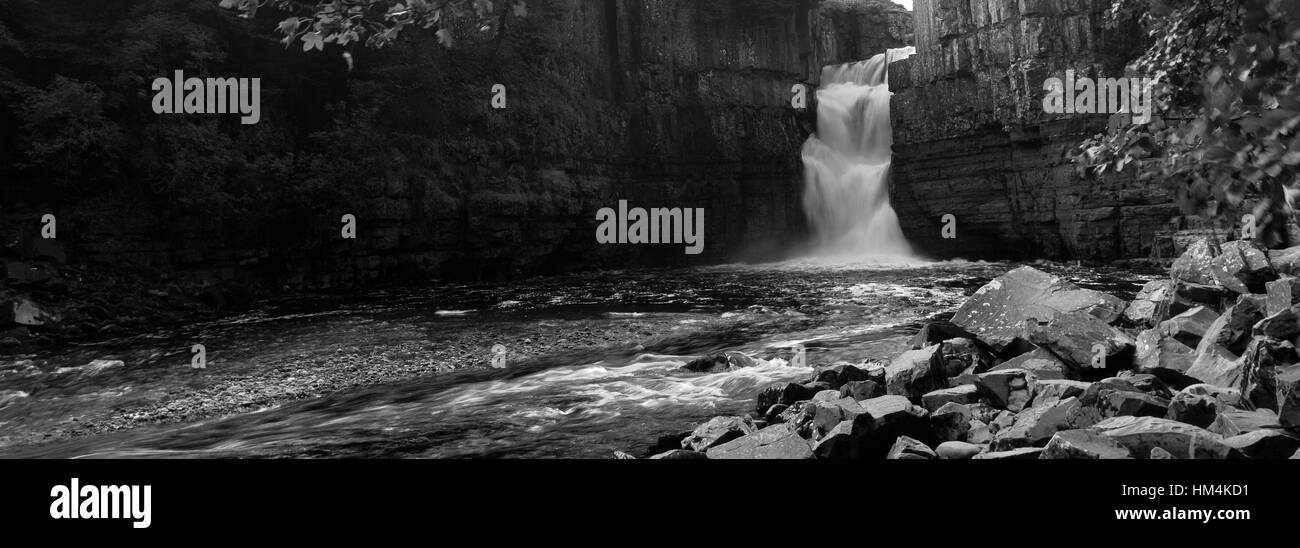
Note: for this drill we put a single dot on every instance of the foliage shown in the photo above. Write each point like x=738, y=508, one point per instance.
x=1226, y=74
x=376, y=23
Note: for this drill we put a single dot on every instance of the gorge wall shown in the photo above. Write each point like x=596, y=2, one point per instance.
x=663, y=103
x=972, y=140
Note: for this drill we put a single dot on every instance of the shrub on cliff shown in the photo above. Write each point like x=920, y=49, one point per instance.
x=1227, y=76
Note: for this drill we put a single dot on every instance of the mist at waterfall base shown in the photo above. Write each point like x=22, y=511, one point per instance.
x=847, y=163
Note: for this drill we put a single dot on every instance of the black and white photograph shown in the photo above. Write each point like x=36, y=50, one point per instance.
x=620, y=230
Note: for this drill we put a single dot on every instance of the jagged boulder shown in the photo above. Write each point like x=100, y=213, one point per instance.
x=1009, y=389
x=1142, y=434
x=1083, y=342
x=862, y=390
x=774, y=442
x=1242, y=266
x=1282, y=294
x=963, y=394
x=1195, y=265
x=1264, y=444
x=717, y=431
x=1035, y=426
x=783, y=394
x=997, y=312
x=872, y=433
x=1147, y=307
x=1281, y=325
x=1285, y=261
x=1156, y=351
x=1190, y=326
x=951, y=422
x=906, y=448
x=964, y=355
x=1234, y=422
x=1041, y=362
x=1288, y=396
x=836, y=376
x=1048, y=392
x=916, y=372
x=1085, y=445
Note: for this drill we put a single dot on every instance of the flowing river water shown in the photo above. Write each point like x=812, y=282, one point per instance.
x=595, y=364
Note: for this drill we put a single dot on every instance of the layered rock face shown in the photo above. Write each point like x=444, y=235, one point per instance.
x=662, y=103
x=972, y=139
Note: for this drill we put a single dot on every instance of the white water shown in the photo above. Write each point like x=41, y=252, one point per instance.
x=846, y=165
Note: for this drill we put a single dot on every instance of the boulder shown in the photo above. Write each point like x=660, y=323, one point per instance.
x=1036, y=425
x=957, y=450
x=680, y=454
x=964, y=355
x=1081, y=341
x=950, y=422
x=963, y=394
x=1024, y=453
x=1264, y=444
x=1195, y=265
x=1232, y=330
x=1149, y=384
x=1009, y=389
x=1084, y=445
x=1147, y=307
x=1282, y=294
x=916, y=372
x=1142, y=434
x=717, y=431
x=1190, y=295
x=1159, y=454
x=936, y=332
x=1260, y=363
x=841, y=442
x=782, y=393
x=1041, y=362
x=1156, y=351
x=997, y=312
x=827, y=410
x=1242, y=266
x=774, y=442
x=862, y=390
x=1048, y=392
x=1234, y=422
x=1190, y=326
x=1285, y=261
x=726, y=361
x=907, y=448
x=1219, y=367
x=1193, y=409
x=836, y=376
x=1288, y=396
x=979, y=433
x=1115, y=398
x=1280, y=325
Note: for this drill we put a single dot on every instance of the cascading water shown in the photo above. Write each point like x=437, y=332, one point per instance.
x=846, y=165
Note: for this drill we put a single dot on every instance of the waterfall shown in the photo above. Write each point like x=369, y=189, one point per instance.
x=846, y=165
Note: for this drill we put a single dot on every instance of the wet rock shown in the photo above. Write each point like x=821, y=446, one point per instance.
x=1264, y=444
x=979, y=433
x=1035, y=426
x=906, y=448
x=1146, y=307
x=1084, y=444
x=1142, y=434
x=964, y=394
x=1242, y=266
x=1281, y=325
x=1288, y=396
x=774, y=412
x=774, y=442
x=1009, y=389
x=817, y=387
x=1190, y=326
x=24, y=311
x=717, y=431
x=1041, y=362
x=915, y=373
x=1196, y=264
x=997, y=312
x=1157, y=351
x=824, y=413
x=1048, y=392
x=1077, y=338
x=936, y=332
x=1282, y=295
x=888, y=417
x=782, y=393
x=1233, y=422
x=726, y=361
x=680, y=454
x=957, y=450
x=862, y=390
x=842, y=441
x=836, y=376
x=1026, y=453
x=964, y=356
x=950, y=422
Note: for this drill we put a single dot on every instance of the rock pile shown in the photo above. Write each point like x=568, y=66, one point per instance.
x=1201, y=365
